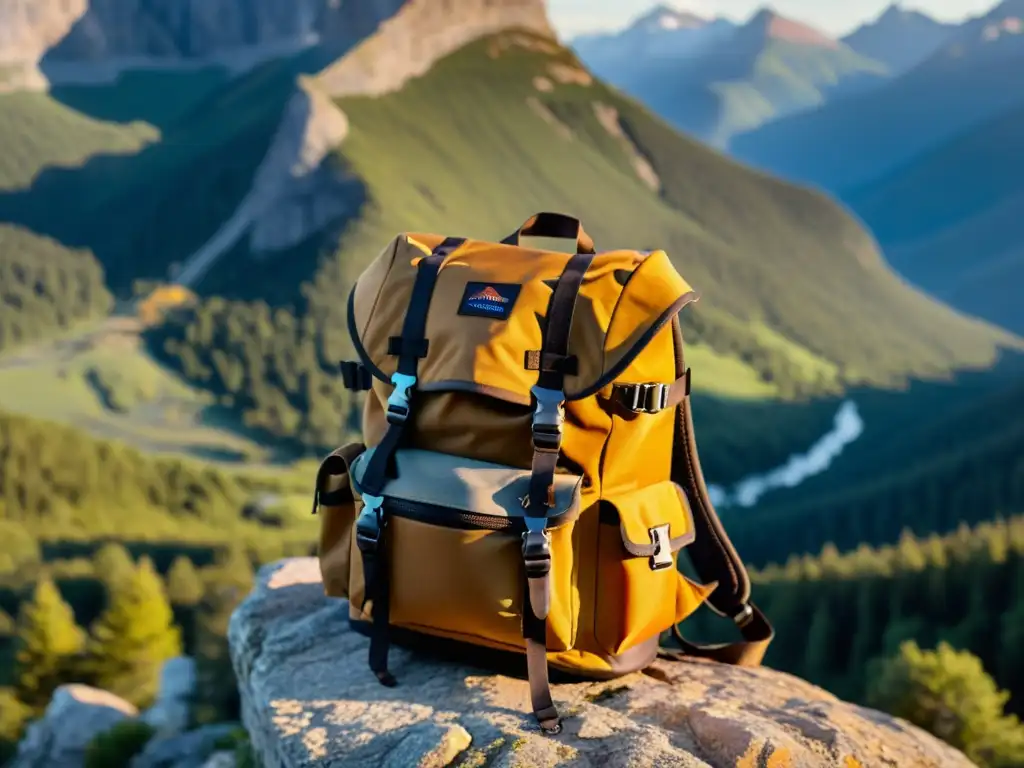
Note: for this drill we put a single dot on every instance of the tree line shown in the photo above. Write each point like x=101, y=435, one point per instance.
x=45, y=289
x=969, y=484
x=120, y=642
x=58, y=483
x=850, y=622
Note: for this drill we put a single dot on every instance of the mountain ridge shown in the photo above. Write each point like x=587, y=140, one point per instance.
x=899, y=37
x=59, y=42
x=957, y=87
x=721, y=79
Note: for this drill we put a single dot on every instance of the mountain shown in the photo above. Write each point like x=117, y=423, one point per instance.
x=968, y=80
x=716, y=80
x=88, y=41
x=663, y=33
x=952, y=221
x=899, y=38
x=264, y=192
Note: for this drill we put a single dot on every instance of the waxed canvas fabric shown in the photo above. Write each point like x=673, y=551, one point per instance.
x=472, y=400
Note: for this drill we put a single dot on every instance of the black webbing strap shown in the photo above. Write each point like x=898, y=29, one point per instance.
x=548, y=418
x=712, y=554
x=355, y=376
x=548, y=392
x=371, y=525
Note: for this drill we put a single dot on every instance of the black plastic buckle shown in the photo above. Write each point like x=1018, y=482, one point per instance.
x=548, y=418
x=537, y=553
x=398, y=401
x=368, y=528
x=546, y=438
x=397, y=414
x=367, y=541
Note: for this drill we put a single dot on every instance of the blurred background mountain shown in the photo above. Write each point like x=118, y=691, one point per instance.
x=187, y=192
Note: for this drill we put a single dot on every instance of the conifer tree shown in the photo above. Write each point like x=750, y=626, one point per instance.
x=185, y=589
x=113, y=564
x=949, y=694
x=818, y=652
x=48, y=644
x=184, y=586
x=13, y=716
x=133, y=637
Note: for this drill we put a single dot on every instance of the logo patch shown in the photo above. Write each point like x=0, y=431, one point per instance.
x=493, y=300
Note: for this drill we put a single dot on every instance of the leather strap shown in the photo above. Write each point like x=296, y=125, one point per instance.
x=757, y=635
x=557, y=225
x=712, y=553
x=548, y=418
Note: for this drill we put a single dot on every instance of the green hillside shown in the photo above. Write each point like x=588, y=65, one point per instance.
x=953, y=220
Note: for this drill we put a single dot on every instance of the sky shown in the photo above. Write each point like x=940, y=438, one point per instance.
x=837, y=17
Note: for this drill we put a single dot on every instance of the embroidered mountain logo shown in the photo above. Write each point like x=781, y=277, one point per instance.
x=493, y=300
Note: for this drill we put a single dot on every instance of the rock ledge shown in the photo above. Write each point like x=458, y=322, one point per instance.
x=309, y=700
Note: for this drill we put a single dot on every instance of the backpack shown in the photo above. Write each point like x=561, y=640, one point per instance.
x=528, y=473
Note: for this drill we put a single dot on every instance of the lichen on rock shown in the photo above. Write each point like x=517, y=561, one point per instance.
x=308, y=699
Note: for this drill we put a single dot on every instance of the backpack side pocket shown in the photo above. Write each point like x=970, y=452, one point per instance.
x=334, y=502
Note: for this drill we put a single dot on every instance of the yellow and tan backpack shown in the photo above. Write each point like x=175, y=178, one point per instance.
x=528, y=472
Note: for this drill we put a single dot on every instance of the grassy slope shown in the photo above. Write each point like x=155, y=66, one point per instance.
x=853, y=141
x=953, y=220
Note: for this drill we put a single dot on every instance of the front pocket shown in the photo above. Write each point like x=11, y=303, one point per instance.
x=454, y=549
x=640, y=591
x=334, y=502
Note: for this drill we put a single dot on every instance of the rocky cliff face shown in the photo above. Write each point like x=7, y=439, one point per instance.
x=309, y=700
x=88, y=40
x=423, y=31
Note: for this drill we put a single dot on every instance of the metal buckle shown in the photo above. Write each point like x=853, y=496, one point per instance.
x=398, y=400
x=649, y=398
x=548, y=418
x=662, y=557
x=744, y=617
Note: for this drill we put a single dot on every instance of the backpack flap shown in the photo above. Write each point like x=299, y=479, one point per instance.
x=455, y=529
x=485, y=325
x=642, y=593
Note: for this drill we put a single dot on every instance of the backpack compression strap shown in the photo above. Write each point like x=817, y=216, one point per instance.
x=371, y=525
x=712, y=553
x=553, y=362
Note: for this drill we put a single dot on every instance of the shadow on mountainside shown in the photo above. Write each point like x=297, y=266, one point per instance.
x=142, y=212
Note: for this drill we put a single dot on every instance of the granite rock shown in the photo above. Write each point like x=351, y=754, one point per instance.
x=309, y=700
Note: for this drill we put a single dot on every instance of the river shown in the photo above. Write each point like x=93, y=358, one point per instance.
x=847, y=426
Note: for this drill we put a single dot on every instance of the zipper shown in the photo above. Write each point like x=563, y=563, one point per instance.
x=454, y=518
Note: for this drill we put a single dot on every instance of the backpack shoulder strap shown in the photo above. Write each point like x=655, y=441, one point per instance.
x=712, y=554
